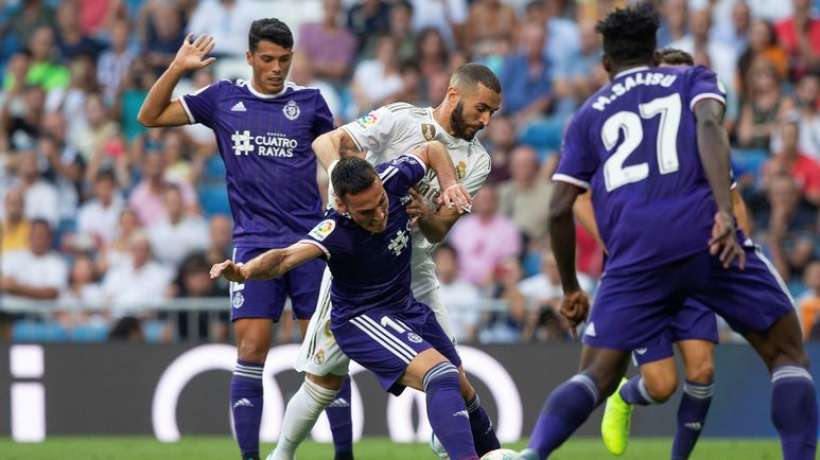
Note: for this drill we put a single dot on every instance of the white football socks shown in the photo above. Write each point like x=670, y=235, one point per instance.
x=301, y=414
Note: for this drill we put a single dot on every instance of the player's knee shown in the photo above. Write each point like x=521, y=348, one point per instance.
x=702, y=372
x=252, y=350
x=329, y=382
x=661, y=387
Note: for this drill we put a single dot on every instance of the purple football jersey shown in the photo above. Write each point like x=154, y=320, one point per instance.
x=634, y=144
x=265, y=142
x=371, y=270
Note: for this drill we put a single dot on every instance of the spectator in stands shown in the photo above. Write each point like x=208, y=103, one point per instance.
x=809, y=302
x=732, y=29
x=161, y=48
x=21, y=122
x=513, y=324
x=14, y=78
x=71, y=100
x=526, y=78
x=762, y=43
x=183, y=166
x=673, y=24
x=134, y=89
x=463, y=300
x=763, y=105
x=329, y=46
x=792, y=226
x=807, y=95
x=41, y=197
x=98, y=131
x=401, y=28
x=32, y=15
x=500, y=141
x=116, y=251
x=302, y=72
x=112, y=67
x=15, y=227
x=484, y=238
x=127, y=329
x=71, y=40
x=146, y=198
x=99, y=217
x=447, y=16
x=193, y=280
x=140, y=282
x=228, y=21
x=524, y=198
x=489, y=21
x=376, y=81
x=800, y=36
x=66, y=169
x=367, y=20
x=722, y=57
x=45, y=70
x=177, y=234
x=579, y=70
x=83, y=289
x=36, y=272
x=432, y=54
x=790, y=160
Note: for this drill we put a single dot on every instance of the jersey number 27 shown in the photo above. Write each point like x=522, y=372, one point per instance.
x=615, y=173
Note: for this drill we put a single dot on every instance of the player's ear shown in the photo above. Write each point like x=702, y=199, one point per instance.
x=656, y=59
x=453, y=95
x=340, y=205
x=249, y=57
x=606, y=63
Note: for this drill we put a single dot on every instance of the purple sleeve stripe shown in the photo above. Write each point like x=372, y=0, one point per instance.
x=702, y=96
x=318, y=245
x=191, y=119
x=571, y=180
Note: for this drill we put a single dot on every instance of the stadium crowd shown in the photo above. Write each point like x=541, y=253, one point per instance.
x=101, y=213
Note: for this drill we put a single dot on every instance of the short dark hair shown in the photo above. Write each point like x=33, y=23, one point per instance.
x=674, y=56
x=352, y=175
x=629, y=33
x=272, y=30
x=472, y=74
x=39, y=221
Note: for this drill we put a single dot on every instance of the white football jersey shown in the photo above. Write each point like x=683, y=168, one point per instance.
x=395, y=129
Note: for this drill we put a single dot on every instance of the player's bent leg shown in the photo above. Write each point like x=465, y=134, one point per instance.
x=253, y=337
x=794, y=402
x=432, y=373
x=570, y=404
x=302, y=411
x=482, y=427
x=698, y=362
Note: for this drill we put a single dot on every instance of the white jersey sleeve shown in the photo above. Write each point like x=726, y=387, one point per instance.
x=478, y=173
x=374, y=131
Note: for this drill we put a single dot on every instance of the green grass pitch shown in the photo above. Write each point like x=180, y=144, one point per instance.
x=221, y=448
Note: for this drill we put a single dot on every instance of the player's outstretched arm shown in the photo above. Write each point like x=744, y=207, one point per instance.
x=435, y=156
x=270, y=264
x=158, y=109
x=333, y=145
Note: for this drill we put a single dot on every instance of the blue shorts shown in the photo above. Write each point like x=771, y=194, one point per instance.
x=633, y=311
x=385, y=341
x=693, y=321
x=266, y=298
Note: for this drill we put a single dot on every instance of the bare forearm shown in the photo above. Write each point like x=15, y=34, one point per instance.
x=37, y=293
x=439, y=161
x=332, y=146
x=159, y=96
x=562, y=238
x=433, y=227
x=265, y=266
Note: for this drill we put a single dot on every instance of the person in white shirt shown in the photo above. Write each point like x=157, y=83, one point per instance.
x=131, y=287
x=227, y=21
x=41, y=197
x=178, y=234
x=99, y=217
x=461, y=298
x=36, y=273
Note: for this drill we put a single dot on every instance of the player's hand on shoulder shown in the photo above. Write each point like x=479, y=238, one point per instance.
x=416, y=208
x=192, y=54
x=456, y=196
x=575, y=308
x=724, y=241
x=229, y=270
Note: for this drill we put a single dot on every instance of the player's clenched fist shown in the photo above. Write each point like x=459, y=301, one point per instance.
x=191, y=55
x=456, y=196
x=575, y=307
x=230, y=270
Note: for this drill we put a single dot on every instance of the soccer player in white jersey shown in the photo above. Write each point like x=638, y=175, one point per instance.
x=473, y=96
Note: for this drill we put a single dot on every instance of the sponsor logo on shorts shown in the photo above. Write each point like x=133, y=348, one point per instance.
x=413, y=337
x=590, y=330
x=323, y=229
x=641, y=351
x=237, y=300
